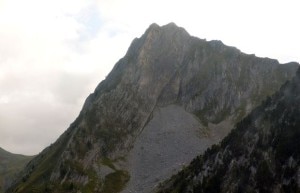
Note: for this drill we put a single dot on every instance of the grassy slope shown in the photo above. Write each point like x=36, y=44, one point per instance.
x=10, y=164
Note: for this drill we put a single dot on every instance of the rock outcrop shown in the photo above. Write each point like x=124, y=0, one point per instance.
x=199, y=88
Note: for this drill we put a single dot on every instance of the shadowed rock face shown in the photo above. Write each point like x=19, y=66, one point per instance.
x=262, y=154
x=165, y=76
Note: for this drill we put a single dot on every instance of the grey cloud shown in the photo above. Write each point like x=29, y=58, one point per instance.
x=72, y=88
x=33, y=122
x=39, y=110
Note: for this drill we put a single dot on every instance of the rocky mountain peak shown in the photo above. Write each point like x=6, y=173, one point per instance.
x=169, y=95
x=168, y=28
x=160, y=39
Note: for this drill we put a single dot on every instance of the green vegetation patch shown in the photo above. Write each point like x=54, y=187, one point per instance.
x=108, y=162
x=115, y=182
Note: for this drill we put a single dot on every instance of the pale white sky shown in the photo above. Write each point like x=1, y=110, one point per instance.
x=53, y=53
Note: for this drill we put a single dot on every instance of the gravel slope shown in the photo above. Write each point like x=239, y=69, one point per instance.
x=170, y=140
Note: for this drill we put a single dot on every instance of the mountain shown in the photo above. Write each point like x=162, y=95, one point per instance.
x=10, y=165
x=169, y=98
x=262, y=153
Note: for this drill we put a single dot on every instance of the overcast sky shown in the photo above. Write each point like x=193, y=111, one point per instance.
x=53, y=53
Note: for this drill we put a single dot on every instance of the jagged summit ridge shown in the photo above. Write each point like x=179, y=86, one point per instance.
x=168, y=27
x=165, y=73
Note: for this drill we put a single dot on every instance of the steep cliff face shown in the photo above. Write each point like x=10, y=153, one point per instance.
x=166, y=73
x=10, y=165
x=262, y=154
